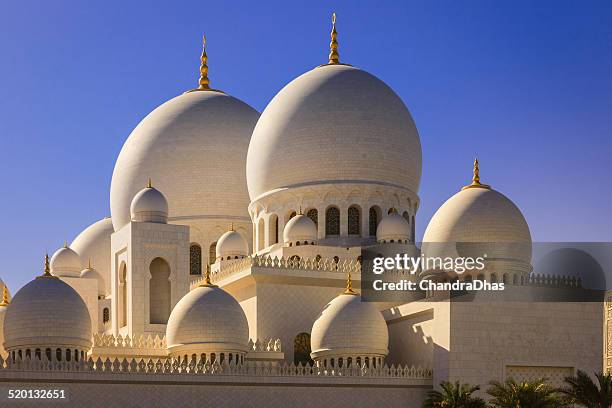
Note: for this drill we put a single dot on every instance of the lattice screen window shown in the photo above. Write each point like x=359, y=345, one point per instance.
x=554, y=375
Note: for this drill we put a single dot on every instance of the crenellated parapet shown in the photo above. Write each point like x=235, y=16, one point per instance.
x=230, y=268
x=169, y=366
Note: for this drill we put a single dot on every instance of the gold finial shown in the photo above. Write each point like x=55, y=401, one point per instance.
x=349, y=285
x=47, y=273
x=149, y=184
x=231, y=228
x=5, y=297
x=300, y=210
x=207, y=282
x=65, y=244
x=334, y=57
x=204, y=83
x=476, y=178
x=89, y=263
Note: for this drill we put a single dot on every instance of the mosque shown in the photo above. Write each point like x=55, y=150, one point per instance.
x=229, y=269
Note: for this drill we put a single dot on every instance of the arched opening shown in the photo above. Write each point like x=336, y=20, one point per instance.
x=301, y=349
x=122, y=295
x=159, y=292
x=413, y=225
x=212, y=253
x=313, y=214
x=291, y=215
x=195, y=259
x=354, y=220
x=273, y=232
x=105, y=315
x=374, y=218
x=406, y=216
x=332, y=221
x=261, y=234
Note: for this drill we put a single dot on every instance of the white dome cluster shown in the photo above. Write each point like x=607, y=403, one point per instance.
x=334, y=124
x=149, y=205
x=66, y=262
x=194, y=148
x=231, y=245
x=393, y=228
x=349, y=331
x=208, y=323
x=479, y=220
x=47, y=316
x=94, y=244
x=300, y=230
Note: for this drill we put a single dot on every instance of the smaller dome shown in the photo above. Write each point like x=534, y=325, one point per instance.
x=66, y=262
x=300, y=229
x=231, y=245
x=149, y=205
x=91, y=273
x=207, y=320
x=393, y=228
x=349, y=327
x=47, y=313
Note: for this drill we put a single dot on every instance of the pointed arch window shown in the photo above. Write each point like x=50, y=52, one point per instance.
x=212, y=253
x=332, y=221
x=195, y=259
x=354, y=220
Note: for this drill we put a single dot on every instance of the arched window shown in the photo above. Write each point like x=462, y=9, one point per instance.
x=406, y=216
x=58, y=354
x=293, y=214
x=412, y=224
x=105, y=315
x=374, y=215
x=313, y=214
x=273, y=225
x=301, y=349
x=354, y=221
x=391, y=210
x=332, y=221
x=212, y=253
x=123, y=295
x=195, y=259
x=159, y=292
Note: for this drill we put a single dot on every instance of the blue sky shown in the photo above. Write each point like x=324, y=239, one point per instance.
x=526, y=86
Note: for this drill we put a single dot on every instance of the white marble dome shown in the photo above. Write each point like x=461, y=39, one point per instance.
x=476, y=221
x=349, y=327
x=231, y=245
x=94, y=244
x=334, y=124
x=47, y=312
x=300, y=229
x=207, y=320
x=149, y=205
x=91, y=273
x=393, y=228
x=194, y=148
x=66, y=262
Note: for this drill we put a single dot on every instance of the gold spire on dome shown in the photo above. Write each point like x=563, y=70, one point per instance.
x=5, y=297
x=231, y=226
x=334, y=56
x=149, y=184
x=349, y=285
x=207, y=283
x=65, y=244
x=89, y=263
x=476, y=178
x=47, y=272
x=204, y=82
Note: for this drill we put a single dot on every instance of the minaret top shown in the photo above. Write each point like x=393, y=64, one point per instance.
x=334, y=56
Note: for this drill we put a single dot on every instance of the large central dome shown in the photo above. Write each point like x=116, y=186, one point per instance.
x=335, y=123
x=193, y=147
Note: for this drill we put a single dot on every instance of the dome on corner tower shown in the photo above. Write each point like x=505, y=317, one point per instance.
x=194, y=147
x=334, y=124
x=149, y=205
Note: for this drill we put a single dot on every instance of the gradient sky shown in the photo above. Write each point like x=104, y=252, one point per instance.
x=526, y=86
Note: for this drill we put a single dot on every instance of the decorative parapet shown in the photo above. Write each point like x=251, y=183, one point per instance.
x=143, y=345
x=556, y=281
x=147, y=341
x=167, y=366
x=265, y=345
x=229, y=268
